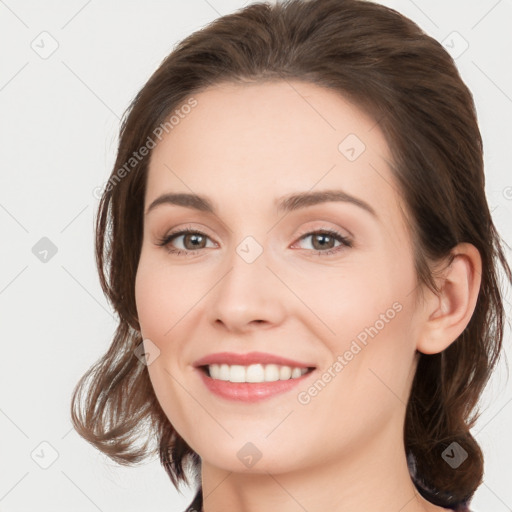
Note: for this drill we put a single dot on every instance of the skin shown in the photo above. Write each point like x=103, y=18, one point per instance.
x=243, y=146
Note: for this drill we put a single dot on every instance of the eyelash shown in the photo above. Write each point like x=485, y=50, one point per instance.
x=345, y=242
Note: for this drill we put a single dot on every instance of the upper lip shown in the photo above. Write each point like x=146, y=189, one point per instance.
x=249, y=358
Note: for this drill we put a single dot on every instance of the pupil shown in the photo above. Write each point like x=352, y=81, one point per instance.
x=195, y=237
x=323, y=237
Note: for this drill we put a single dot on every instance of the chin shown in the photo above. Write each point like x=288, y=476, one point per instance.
x=253, y=457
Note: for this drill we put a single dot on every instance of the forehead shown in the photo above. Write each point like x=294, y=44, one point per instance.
x=245, y=142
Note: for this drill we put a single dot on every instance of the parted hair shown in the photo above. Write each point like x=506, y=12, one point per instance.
x=405, y=80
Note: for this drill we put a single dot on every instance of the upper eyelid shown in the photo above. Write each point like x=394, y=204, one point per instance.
x=187, y=230
x=346, y=232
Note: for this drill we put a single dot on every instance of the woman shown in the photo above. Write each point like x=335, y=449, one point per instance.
x=296, y=238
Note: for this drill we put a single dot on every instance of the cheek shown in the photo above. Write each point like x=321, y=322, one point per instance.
x=370, y=308
x=350, y=300
x=160, y=307
x=156, y=299
x=145, y=298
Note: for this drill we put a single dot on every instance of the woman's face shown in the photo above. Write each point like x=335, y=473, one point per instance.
x=256, y=277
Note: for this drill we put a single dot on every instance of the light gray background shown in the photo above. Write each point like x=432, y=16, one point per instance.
x=60, y=118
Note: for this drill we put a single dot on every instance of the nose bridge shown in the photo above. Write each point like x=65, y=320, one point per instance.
x=247, y=290
x=248, y=273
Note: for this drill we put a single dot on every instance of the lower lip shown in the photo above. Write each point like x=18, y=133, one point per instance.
x=250, y=391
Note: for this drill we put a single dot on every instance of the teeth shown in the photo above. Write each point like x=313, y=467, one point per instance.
x=254, y=372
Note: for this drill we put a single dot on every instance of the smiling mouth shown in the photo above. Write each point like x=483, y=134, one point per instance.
x=254, y=373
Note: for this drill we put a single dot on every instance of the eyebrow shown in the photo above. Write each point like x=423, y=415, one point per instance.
x=286, y=203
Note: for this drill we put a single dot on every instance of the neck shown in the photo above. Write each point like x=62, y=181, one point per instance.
x=370, y=477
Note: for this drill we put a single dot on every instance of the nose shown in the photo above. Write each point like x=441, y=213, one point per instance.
x=249, y=294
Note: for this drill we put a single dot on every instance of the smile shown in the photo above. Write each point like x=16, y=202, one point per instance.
x=254, y=372
x=251, y=376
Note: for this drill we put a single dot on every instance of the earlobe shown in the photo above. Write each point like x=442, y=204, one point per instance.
x=447, y=314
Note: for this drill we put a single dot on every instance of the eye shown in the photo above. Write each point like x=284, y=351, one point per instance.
x=322, y=241
x=191, y=238
x=194, y=240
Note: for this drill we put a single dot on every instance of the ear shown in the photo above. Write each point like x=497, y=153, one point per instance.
x=445, y=316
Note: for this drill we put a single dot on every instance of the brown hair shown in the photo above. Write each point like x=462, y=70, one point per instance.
x=387, y=66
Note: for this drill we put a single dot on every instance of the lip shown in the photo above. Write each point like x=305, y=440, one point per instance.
x=249, y=391
x=249, y=358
